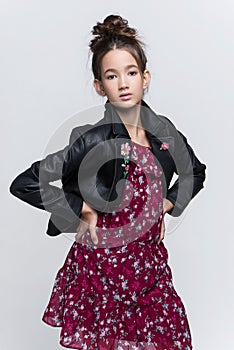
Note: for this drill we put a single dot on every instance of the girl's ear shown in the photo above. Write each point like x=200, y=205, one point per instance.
x=99, y=87
x=146, y=78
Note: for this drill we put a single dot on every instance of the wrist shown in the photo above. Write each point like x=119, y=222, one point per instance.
x=86, y=209
x=167, y=205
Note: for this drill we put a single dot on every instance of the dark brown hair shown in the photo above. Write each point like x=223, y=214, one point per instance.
x=115, y=33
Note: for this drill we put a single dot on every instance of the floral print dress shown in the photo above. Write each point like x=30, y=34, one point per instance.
x=119, y=294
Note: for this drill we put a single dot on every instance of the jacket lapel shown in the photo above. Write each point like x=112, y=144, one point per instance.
x=155, y=129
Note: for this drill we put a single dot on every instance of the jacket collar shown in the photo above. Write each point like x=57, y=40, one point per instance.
x=149, y=119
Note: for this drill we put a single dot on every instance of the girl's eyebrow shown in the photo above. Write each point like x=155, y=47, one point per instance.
x=115, y=70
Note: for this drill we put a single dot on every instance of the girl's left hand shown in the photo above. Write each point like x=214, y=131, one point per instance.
x=167, y=206
x=88, y=222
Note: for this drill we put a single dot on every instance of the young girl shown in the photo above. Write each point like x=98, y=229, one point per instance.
x=115, y=290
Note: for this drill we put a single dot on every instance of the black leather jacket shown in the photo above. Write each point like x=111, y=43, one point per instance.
x=90, y=168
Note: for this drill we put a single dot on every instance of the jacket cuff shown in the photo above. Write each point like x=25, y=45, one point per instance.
x=177, y=209
x=58, y=225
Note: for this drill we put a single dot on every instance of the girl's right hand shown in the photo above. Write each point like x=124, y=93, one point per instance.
x=88, y=221
x=167, y=206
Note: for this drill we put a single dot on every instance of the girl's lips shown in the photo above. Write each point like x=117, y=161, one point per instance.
x=125, y=96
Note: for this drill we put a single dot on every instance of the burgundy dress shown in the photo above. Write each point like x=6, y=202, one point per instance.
x=119, y=295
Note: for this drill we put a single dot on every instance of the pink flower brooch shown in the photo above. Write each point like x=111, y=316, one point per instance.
x=164, y=146
x=125, y=149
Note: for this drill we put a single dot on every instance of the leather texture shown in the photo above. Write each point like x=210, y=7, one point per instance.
x=90, y=168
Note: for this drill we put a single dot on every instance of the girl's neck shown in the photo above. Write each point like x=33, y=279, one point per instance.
x=131, y=119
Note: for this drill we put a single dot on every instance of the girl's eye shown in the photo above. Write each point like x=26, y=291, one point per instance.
x=110, y=76
x=133, y=72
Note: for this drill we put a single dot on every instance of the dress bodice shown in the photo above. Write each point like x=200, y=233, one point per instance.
x=141, y=205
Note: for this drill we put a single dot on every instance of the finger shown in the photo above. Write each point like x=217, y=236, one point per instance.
x=78, y=235
x=162, y=232
x=93, y=234
x=81, y=230
x=160, y=238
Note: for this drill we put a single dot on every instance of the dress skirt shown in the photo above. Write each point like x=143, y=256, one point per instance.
x=119, y=294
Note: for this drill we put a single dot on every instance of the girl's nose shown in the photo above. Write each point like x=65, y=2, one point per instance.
x=123, y=84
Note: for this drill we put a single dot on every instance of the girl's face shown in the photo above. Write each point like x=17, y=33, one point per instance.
x=121, y=79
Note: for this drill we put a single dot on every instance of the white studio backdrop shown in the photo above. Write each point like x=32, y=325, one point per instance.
x=46, y=79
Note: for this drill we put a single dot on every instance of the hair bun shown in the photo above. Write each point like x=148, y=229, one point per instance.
x=113, y=25
x=115, y=33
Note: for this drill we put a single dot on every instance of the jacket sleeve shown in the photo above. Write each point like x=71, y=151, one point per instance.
x=33, y=185
x=191, y=175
